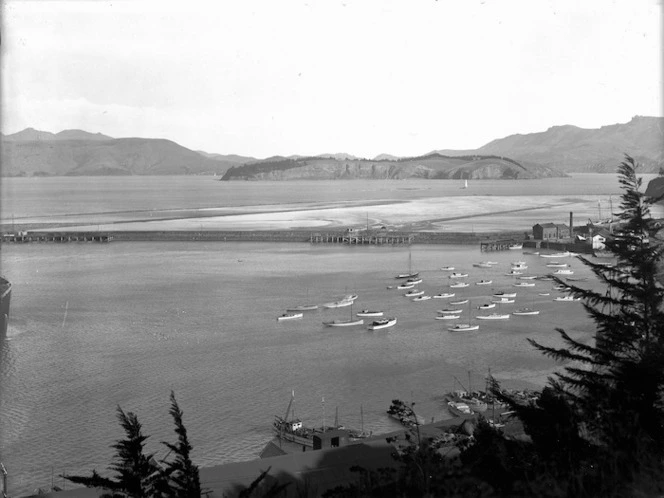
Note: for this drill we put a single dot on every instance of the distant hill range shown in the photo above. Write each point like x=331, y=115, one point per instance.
x=431, y=166
x=573, y=149
x=75, y=152
x=558, y=150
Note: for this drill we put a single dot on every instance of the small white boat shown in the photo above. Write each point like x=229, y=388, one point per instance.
x=457, y=303
x=561, y=288
x=484, y=282
x=563, y=272
x=303, y=307
x=567, y=299
x=459, y=285
x=518, y=263
x=505, y=294
x=414, y=293
x=556, y=255
x=458, y=275
x=290, y=316
x=447, y=268
x=486, y=306
x=544, y=293
x=450, y=311
x=482, y=265
x=414, y=281
x=492, y=316
x=515, y=247
x=525, y=312
x=555, y=264
x=405, y=286
x=513, y=273
x=369, y=313
x=444, y=295
x=448, y=317
x=343, y=323
x=528, y=277
x=524, y=284
x=503, y=300
x=382, y=323
x=463, y=327
x=422, y=298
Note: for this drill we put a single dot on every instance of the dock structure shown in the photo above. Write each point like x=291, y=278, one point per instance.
x=24, y=237
x=362, y=238
x=497, y=245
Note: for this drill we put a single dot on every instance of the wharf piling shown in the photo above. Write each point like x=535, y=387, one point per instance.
x=24, y=237
x=354, y=238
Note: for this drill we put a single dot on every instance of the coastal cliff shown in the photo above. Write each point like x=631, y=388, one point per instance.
x=429, y=167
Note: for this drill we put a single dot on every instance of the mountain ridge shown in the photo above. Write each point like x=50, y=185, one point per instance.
x=561, y=148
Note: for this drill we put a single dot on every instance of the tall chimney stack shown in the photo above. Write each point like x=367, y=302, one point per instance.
x=571, y=224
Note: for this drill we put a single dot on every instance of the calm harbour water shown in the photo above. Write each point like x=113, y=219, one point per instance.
x=97, y=326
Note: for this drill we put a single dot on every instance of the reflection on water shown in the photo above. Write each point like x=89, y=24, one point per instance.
x=97, y=326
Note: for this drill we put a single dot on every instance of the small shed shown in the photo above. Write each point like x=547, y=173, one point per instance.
x=330, y=439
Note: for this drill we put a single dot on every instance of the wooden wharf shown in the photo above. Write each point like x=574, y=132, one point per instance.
x=362, y=238
x=24, y=237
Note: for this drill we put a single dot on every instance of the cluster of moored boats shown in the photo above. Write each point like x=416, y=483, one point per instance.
x=456, y=305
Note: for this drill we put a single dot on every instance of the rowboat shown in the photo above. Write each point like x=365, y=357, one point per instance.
x=382, y=323
x=463, y=327
x=484, y=282
x=422, y=298
x=459, y=285
x=461, y=301
x=447, y=268
x=290, y=316
x=444, y=295
x=413, y=293
x=524, y=284
x=450, y=311
x=448, y=317
x=505, y=294
x=503, y=300
x=405, y=286
x=458, y=275
x=343, y=323
x=492, y=316
x=525, y=311
x=486, y=306
x=369, y=313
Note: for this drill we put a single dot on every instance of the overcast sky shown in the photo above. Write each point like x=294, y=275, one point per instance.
x=267, y=77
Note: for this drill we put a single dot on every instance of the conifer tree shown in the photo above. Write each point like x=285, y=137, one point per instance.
x=137, y=474
x=599, y=424
x=181, y=473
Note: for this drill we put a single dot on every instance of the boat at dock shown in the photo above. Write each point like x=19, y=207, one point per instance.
x=515, y=247
x=556, y=255
x=290, y=316
x=382, y=323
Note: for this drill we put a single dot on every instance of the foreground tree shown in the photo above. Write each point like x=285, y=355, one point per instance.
x=139, y=475
x=598, y=428
x=136, y=474
x=181, y=472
